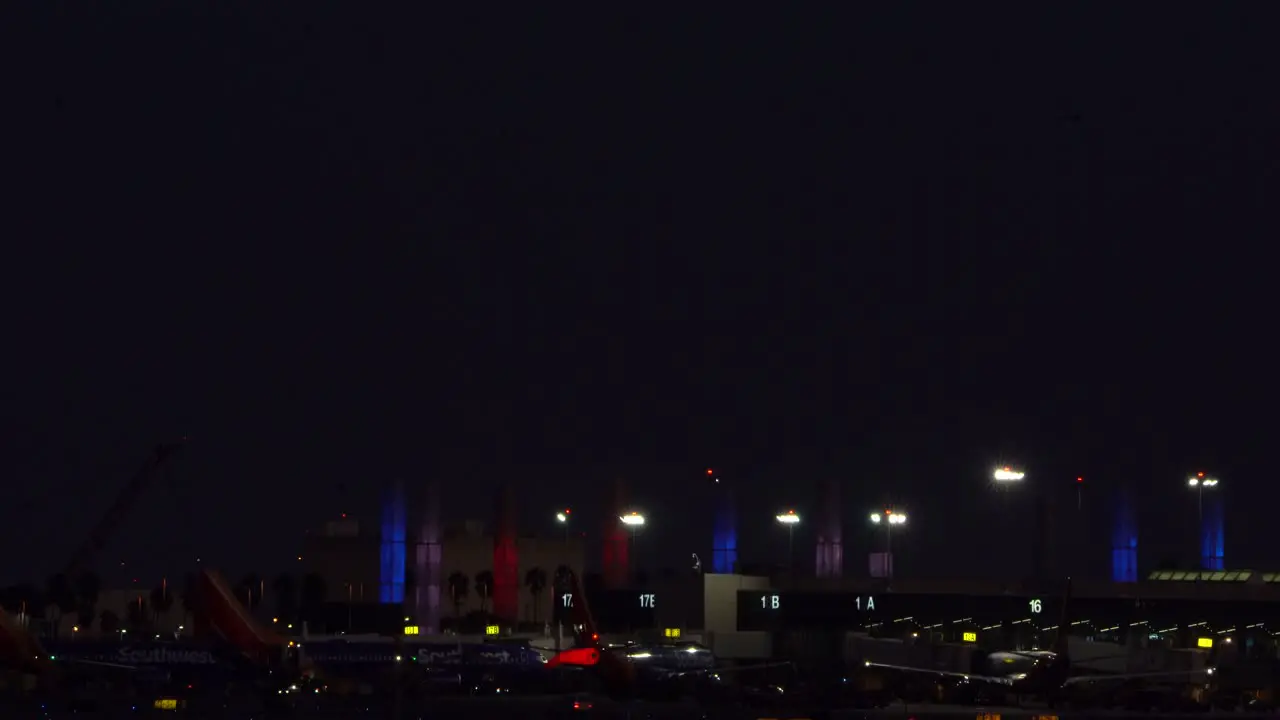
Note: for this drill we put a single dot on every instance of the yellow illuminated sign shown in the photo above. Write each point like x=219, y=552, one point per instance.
x=973, y=637
x=672, y=633
x=166, y=704
x=492, y=630
x=988, y=716
x=411, y=630
x=1204, y=642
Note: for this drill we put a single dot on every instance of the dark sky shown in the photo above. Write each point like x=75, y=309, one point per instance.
x=335, y=246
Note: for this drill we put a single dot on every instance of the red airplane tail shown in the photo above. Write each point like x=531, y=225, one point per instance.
x=586, y=650
x=617, y=673
x=222, y=615
x=19, y=648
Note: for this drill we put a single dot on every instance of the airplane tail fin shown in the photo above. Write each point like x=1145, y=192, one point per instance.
x=580, y=613
x=223, y=615
x=20, y=648
x=616, y=673
x=1064, y=627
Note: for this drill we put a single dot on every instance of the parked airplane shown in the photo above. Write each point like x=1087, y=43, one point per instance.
x=1043, y=674
x=649, y=670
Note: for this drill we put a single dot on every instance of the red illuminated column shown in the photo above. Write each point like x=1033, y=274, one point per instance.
x=506, y=560
x=617, y=548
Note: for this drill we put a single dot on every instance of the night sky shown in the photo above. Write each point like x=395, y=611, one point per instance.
x=337, y=246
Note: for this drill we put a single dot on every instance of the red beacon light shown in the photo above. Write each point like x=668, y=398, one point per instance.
x=1079, y=481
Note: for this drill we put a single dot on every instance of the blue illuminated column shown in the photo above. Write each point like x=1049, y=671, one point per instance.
x=391, y=550
x=724, y=533
x=1212, y=531
x=1124, y=540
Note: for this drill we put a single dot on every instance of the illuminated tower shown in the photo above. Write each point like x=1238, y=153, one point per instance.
x=426, y=589
x=506, y=561
x=1124, y=539
x=391, y=549
x=830, y=560
x=616, y=548
x=1212, y=531
x=724, y=532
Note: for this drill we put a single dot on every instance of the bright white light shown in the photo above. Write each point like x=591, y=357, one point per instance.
x=561, y=517
x=889, y=516
x=1007, y=474
x=1201, y=481
x=787, y=518
x=633, y=519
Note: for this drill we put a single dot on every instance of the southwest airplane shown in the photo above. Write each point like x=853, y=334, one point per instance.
x=646, y=671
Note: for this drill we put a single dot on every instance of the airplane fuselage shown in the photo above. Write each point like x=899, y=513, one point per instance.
x=669, y=658
x=1014, y=665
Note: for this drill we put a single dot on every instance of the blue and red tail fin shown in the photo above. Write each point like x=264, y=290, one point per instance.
x=586, y=650
x=587, y=634
x=1064, y=623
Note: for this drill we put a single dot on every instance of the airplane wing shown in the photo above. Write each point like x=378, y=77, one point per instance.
x=101, y=664
x=732, y=669
x=1167, y=674
x=944, y=673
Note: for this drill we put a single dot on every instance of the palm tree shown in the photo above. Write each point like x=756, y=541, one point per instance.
x=139, y=616
x=61, y=599
x=314, y=592
x=109, y=623
x=250, y=590
x=88, y=587
x=161, y=600
x=285, y=591
x=484, y=588
x=457, y=591
x=536, y=581
x=28, y=601
x=190, y=595
x=563, y=578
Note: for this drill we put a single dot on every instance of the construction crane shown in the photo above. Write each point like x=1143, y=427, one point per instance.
x=119, y=509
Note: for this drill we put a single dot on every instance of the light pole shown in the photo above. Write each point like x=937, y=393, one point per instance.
x=562, y=517
x=1199, y=482
x=791, y=520
x=889, y=518
x=634, y=521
